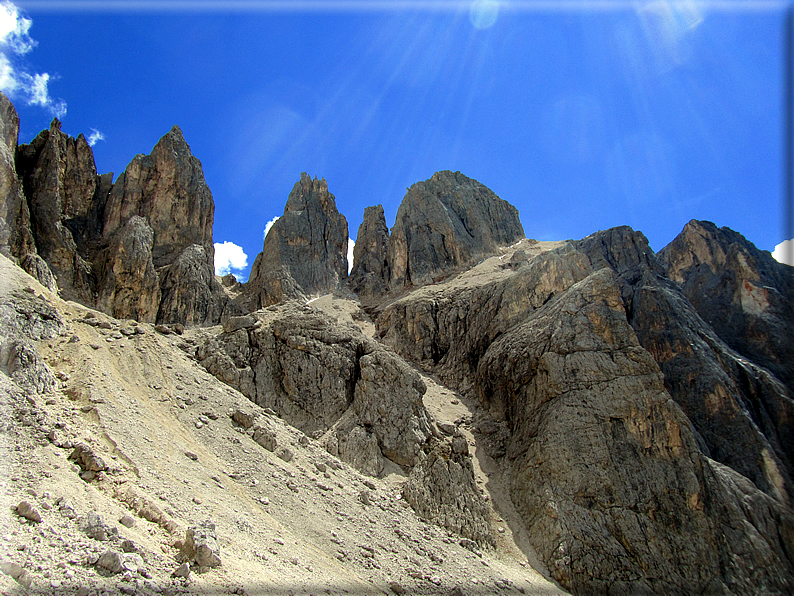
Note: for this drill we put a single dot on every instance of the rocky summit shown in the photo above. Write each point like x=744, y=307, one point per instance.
x=469, y=412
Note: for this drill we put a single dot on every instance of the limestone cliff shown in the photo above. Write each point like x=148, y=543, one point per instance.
x=444, y=223
x=304, y=253
x=140, y=247
x=370, y=273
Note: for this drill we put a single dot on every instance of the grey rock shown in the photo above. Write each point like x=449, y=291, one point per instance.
x=19, y=573
x=575, y=369
x=444, y=223
x=304, y=253
x=441, y=488
x=743, y=293
x=84, y=455
x=244, y=419
x=129, y=287
x=232, y=324
x=370, y=274
x=201, y=545
x=24, y=509
x=312, y=371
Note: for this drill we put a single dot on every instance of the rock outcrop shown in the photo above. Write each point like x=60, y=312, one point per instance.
x=370, y=272
x=16, y=239
x=328, y=380
x=444, y=223
x=305, y=251
x=742, y=292
x=742, y=413
x=581, y=331
x=140, y=248
x=442, y=490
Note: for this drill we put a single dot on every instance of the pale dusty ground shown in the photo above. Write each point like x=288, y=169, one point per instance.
x=283, y=527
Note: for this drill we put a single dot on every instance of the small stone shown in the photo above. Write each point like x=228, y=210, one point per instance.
x=127, y=521
x=285, y=454
x=24, y=509
x=182, y=571
x=396, y=587
x=111, y=561
x=191, y=455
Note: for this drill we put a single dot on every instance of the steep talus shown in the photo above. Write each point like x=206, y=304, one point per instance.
x=304, y=253
x=129, y=469
x=138, y=248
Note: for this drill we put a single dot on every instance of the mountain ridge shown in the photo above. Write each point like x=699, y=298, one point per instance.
x=627, y=415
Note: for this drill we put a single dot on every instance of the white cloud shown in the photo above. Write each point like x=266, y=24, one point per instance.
x=351, y=244
x=95, y=137
x=229, y=258
x=269, y=225
x=784, y=252
x=15, y=81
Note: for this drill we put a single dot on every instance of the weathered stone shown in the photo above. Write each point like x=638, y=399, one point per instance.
x=310, y=370
x=444, y=223
x=16, y=236
x=442, y=489
x=87, y=459
x=305, y=251
x=201, y=545
x=191, y=295
x=61, y=183
x=129, y=287
x=24, y=509
x=742, y=414
x=232, y=324
x=370, y=274
x=599, y=450
x=388, y=399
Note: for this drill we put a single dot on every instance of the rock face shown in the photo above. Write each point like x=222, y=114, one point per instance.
x=370, y=255
x=446, y=222
x=742, y=292
x=442, y=490
x=140, y=248
x=305, y=252
x=326, y=379
x=16, y=239
x=580, y=350
x=742, y=413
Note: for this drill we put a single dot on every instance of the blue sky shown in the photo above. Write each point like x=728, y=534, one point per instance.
x=584, y=115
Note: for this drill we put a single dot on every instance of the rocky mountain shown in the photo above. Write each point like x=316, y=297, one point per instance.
x=486, y=414
x=140, y=247
x=305, y=252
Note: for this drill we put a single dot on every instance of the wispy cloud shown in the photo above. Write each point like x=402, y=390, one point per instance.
x=95, y=137
x=784, y=252
x=269, y=225
x=229, y=258
x=15, y=80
